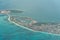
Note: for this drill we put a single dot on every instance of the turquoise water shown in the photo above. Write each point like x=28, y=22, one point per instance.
x=10, y=31
x=40, y=10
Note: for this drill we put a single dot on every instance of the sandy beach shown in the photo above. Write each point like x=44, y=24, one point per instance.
x=20, y=25
x=31, y=29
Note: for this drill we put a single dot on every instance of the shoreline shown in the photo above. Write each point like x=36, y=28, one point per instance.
x=31, y=29
x=20, y=25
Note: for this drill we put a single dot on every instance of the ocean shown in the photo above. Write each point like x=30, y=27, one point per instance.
x=40, y=10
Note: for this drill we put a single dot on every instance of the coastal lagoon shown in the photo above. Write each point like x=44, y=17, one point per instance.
x=40, y=10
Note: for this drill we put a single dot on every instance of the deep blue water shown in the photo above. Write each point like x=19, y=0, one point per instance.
x=40, y=10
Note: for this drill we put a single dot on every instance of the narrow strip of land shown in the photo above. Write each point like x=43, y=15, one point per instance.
x=31, y=24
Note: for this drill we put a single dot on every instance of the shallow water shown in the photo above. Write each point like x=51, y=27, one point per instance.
x=40, y=10
x=10, y=31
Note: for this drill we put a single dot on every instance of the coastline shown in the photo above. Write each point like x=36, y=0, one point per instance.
x=6, y=12
x=20, y=25
x=31, y=29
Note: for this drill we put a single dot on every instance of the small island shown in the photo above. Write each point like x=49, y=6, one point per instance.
x=35, y=26
x=10, y=11
x=31, y=24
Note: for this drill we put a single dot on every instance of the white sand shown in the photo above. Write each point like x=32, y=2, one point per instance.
x=31, y=29
x=20, y=25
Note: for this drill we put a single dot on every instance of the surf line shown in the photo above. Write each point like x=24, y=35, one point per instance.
x=29, y=28
x=20, y=25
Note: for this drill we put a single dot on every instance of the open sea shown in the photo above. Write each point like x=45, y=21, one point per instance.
x=40, y=10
